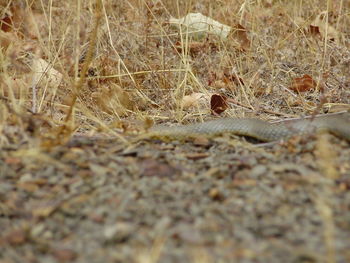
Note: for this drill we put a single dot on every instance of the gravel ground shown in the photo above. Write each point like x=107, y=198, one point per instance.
x=223, y=199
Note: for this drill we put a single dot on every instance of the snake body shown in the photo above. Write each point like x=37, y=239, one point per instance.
x=337, y=124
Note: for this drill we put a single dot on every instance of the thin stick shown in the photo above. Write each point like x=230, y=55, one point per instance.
x=92, y=44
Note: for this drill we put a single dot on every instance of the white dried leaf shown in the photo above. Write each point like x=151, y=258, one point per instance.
x=194, y=100
x=326, y=30
x=44, y=72
x=198, y=25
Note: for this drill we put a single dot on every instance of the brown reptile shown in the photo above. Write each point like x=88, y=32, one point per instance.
x=337, y=124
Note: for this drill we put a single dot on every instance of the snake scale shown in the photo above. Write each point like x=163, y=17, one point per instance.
x=337, y=124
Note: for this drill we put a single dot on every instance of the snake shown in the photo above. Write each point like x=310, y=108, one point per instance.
x=337, y=124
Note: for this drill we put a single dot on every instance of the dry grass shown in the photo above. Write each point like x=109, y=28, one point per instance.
x=135, y=71
x=120, y=61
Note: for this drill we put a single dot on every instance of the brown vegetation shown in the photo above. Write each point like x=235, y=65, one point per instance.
x=141, y=67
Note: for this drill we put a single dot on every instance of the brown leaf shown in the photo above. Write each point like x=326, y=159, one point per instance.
x=218, y=103
x=13, y=161
x=314, y=30
x=216, y=194
x=305, y=83
x=151, y=167
x=16, y=237
x=320, y=26
x=240, y=36
x=6, y=23
x=201, y=141
x=19, y=18
x=230, y=75
x=64, y=254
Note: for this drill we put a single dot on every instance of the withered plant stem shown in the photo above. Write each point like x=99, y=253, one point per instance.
x=88, y=59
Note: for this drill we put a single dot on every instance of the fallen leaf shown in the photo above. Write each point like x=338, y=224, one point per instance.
x=13, y=161
x=64, y=254
x=218, y=103
x=6, y=23
x=44, y=72
x=320, y=26
x=240, y=38
x=13, y=17
x=147, y=124
x=230, y=75
x=16, y=237
x=344, y=184
x=198, y=26
x=201, y=141
x=216, y=194
x=194, y=100
x=314, y=30
x=305, y=83
x=151, y=167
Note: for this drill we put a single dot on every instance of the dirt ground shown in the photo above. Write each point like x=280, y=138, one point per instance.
x=92, y=69
x=223, y=199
